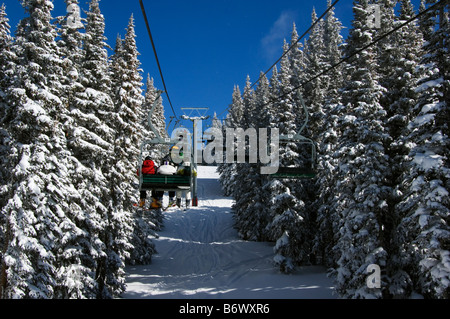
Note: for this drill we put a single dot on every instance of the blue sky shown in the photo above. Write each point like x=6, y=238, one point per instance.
x=205, y=47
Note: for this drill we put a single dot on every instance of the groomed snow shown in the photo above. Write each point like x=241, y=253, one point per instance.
x=200, y=256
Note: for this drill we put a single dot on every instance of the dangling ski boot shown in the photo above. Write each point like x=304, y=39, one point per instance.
x=179, y=202
x=172, y=202
x=156, y=204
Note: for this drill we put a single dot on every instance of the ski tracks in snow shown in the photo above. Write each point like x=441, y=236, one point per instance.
x=201, y=256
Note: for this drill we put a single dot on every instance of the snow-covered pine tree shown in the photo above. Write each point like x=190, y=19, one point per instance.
x=363, y=167
x=145, y=225
x=71, y=47
x=315, y=95
x=248, y=105
x=158, y=119
x=7, y=66
x=333, y=54
x=423, y=233
x=297, y=59
x=40, y=194
x=128, y=100
x=70, y=44
x=216, y=123
x=399, y=70
x=227, y=170
x=252, y=212
x=89, y=141
x=297, y=64
x=399, y=57
x=90, y=136
x=305, y=64
x=246, y=175
x=216, y=126
x=315, y=63
x=235, y=117
x=286, y=220
x=326, y=137
x=327, y=221
x=426, y=20
x=7, y=58
x=127, y=84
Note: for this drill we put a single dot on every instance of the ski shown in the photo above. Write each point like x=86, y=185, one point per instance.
x=171, y=205
x=146, y=209
x=184, y=208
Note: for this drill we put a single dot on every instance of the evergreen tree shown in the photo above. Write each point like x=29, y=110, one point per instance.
x=40, y=193
x=7, y=67
x=70, y=46
x=423, y=234
x=361, y=190
x=87, y=149
x=253, y=218
x=216, y=122
x=315, y=63
x=145, y=225
x=381, y=122
x=66, y=223
x=332, y=39
x=245, y=175
x=90, y=136
x=234, y=117
x=325, y=131
x=7, y=57
x=128, y=101
x=248, y=106
x=327, y=180
x=287, y=223
x=158, y=119
x=399, y=58
x=297, y=59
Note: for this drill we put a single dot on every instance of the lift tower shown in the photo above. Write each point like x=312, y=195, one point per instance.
x=200, y=115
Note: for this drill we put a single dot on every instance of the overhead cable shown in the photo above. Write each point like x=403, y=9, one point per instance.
x=298, y=40
x=378, y=39
x=156, y=56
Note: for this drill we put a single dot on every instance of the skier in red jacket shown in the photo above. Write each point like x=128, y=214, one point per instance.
x=149, y=168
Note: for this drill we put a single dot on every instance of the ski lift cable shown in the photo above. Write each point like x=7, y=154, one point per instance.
x=378, y=39
x=292, y=46
x=156, y=56
x=371, y=44
x=298, y=40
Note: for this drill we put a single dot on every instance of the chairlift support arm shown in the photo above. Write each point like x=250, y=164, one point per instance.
x=298, y=137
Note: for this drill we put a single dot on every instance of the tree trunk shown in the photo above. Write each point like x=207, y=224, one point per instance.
x=3, y=274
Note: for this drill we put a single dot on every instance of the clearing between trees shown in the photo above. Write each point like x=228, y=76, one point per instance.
x=201, y=256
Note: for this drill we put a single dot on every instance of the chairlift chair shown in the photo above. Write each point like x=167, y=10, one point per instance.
x=159, y=182
x=307, y=171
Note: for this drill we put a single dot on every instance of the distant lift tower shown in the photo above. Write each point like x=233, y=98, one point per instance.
x=200, y=115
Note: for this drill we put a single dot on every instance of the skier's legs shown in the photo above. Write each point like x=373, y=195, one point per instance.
x=157, y=199
x=171, y=198
x=188, y=198
x=143, y=196
x=179, y=198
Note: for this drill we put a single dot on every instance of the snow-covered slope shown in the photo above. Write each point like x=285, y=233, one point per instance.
x=201, y=256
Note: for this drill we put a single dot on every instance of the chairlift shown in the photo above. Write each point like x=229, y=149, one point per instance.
x=308, y=169
x=159, y=182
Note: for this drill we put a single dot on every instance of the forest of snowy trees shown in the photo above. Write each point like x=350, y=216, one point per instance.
x=381, y=124
x=72, y=119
